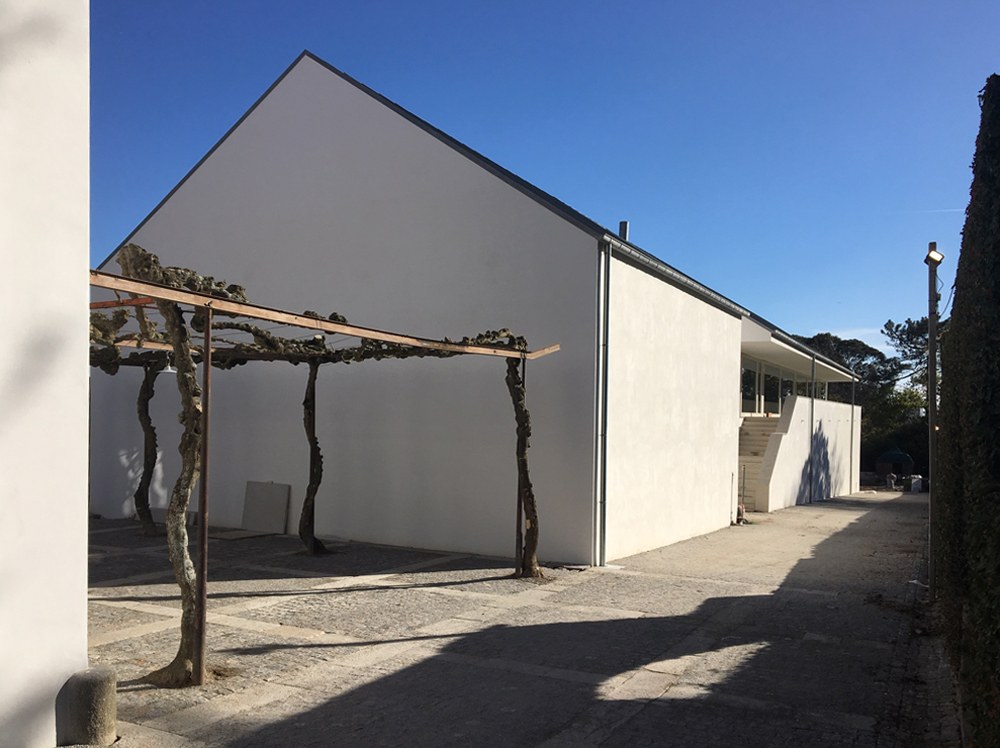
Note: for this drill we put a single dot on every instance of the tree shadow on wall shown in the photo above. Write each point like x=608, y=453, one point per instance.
x=809, y=664
x=816, y=471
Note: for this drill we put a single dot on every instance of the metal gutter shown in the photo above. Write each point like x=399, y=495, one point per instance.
x=674, y=277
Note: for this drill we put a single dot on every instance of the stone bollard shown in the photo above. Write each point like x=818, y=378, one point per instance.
x=87, y=708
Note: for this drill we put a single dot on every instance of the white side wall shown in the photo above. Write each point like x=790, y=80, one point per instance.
x=44, y=212
x=673, y=414
x=325, y=199
x=831, y=466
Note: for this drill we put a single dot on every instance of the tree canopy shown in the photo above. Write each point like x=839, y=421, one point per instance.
x=890, y=415
x=909, y=338
x=877, y=373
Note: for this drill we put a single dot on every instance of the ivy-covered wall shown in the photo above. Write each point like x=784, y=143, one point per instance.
x=966, y=487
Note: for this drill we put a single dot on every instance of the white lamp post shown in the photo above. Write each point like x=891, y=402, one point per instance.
x=933, y=259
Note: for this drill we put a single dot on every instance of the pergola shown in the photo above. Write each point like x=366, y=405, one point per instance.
x=143, y=295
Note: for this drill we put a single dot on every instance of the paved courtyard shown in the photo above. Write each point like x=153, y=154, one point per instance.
x=806, y=628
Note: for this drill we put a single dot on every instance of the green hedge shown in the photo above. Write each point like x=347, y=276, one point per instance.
x=966, y=494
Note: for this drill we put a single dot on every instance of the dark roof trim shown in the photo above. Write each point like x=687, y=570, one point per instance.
x=622, y=249
x=643, y=260
x=203, y=159
x=541, y=196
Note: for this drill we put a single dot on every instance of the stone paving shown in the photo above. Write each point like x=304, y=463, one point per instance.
x=808, y=627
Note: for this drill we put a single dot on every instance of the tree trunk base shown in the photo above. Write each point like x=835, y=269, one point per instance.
x=534, y=572
x=178, y=674
x=315, y=547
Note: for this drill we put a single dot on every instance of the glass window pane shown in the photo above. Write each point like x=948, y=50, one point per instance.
x=787, y=386
x=748, y=386
x=772, y=390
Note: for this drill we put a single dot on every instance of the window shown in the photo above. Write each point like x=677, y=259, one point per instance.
x=748, y=386
x=764, y=388
x=772, y=390
x=787, y=385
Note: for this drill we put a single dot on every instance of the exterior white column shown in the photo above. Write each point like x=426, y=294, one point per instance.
x=44, y=212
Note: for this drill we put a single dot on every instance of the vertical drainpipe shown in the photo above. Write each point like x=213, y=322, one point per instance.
x=850, y=472
x=601, y=446
x=812, y=428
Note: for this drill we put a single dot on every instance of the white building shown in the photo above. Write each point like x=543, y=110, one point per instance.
x=327, y=196
x=44, y=212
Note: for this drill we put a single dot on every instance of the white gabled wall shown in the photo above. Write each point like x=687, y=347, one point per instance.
x=830, y=466
x=325, y=199
x=44, y=212
x=673, y=413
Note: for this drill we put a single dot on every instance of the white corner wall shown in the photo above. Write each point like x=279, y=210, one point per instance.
x=673, y=414
x=793, y=472
x=325, y=199
x=44, y=212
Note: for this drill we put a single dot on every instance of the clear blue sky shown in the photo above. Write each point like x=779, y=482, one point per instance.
x=794, y=155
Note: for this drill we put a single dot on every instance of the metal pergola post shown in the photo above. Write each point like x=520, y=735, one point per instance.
x=198, y=660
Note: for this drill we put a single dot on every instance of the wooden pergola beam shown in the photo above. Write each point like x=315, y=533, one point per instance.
x=225, y=306
x=152, y=345
x=138, y=301
x=532, y=355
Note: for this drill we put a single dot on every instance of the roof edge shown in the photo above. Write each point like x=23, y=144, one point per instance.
x=624, y=248
x=544, y=198
x=673, y=276
x=790, y=340
x=303, y=54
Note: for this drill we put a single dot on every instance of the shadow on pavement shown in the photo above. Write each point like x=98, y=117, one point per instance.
x=816, y=662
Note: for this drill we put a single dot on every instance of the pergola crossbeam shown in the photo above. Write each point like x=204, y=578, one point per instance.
x=225, y=306
x=116, y=303
x=153, y=345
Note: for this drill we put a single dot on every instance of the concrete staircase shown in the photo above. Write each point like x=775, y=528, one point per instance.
x=755, y=432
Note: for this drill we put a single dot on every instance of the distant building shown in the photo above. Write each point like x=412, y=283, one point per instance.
x=328, y=196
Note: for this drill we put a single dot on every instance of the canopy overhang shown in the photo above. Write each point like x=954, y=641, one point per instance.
x=767, y=345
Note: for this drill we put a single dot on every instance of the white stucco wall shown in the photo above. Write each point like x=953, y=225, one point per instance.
x=832, y=469
x=325, y=199
x=673, y=414
x=44, y=212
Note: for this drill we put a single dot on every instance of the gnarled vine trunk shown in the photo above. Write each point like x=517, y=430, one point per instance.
x=180, y=671
x=137, y=263
x=307, y=520
x=529, y=553
x=141, y=495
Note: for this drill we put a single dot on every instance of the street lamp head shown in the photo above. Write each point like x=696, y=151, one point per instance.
x=933, y=257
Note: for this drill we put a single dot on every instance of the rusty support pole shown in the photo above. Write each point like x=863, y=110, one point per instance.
x=198, y=664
